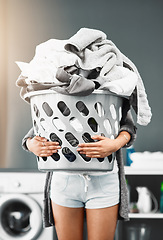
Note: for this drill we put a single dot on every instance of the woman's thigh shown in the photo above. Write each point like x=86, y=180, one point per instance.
x=68, y=222
x=101, y=223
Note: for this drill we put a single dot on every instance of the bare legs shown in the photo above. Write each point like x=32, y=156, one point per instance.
x=101, y=223
x=68, y=222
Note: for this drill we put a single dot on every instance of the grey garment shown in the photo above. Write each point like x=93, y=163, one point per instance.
x=70, y=83
x=95, y=50
x=126, y=124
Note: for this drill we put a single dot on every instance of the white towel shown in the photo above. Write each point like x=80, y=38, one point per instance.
x=152, y=160
x=121, y=81
x=48, y=57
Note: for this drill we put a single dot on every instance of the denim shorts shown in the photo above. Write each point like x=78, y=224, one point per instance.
x=83, y=190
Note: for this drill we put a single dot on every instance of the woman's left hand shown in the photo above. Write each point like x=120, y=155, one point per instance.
x=102, y=147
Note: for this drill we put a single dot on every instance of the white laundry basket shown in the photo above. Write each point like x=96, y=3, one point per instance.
x=71, y=120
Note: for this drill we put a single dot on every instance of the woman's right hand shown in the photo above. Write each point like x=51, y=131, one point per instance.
x=41, y=147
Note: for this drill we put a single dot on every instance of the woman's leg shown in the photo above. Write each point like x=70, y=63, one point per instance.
x=68, y=222
x=101, y=223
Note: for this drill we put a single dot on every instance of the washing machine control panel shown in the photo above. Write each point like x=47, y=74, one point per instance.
x=22, y=182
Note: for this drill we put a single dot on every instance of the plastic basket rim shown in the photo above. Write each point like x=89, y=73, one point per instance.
x=49, y=91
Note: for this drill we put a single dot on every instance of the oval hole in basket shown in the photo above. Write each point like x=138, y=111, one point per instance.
x=71, y=139
x=87, y=137
x=44, y=125
x=120, y=113
x=100, y=159
x=60, y=126
x=112, y=137
x=116, y=127
x=63, y=108
x=75, y=123
x=68, y=154
x=102, y=134
x=36, y=110
x=82, y=108
x=55, y=138
x=55, y=156
x=35, y=126
x=113, y=111
x=87, y=159
x=44, y=158
x=107, y=126
x=47, y=109
x=93, y=124
x=99, y=109
x=110, y=158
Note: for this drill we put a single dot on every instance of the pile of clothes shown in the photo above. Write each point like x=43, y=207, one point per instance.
x=81, y=64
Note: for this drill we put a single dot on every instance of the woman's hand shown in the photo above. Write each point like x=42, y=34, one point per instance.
x=103, y=146
x=41, y=146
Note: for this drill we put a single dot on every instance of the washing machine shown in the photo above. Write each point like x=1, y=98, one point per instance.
x=21, y=205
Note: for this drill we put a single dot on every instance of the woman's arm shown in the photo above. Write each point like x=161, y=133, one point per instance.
x=104, y=146
x=40, y=146
x=30, y=134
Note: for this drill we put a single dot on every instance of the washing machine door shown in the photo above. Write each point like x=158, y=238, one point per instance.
x=20, y=217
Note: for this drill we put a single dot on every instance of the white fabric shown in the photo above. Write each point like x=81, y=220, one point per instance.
x=147, y=160
x=48, y=57
x=89, y=49
x=121, y=81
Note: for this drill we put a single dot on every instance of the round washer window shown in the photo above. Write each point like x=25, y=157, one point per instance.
x=20, y=217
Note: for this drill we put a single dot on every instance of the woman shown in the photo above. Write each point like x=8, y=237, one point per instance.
x=85, y=62
x=102, y=195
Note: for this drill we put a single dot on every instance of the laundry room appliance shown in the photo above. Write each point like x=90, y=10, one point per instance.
x=21, y=205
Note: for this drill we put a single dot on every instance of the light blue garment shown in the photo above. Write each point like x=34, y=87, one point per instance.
x=83, y=190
